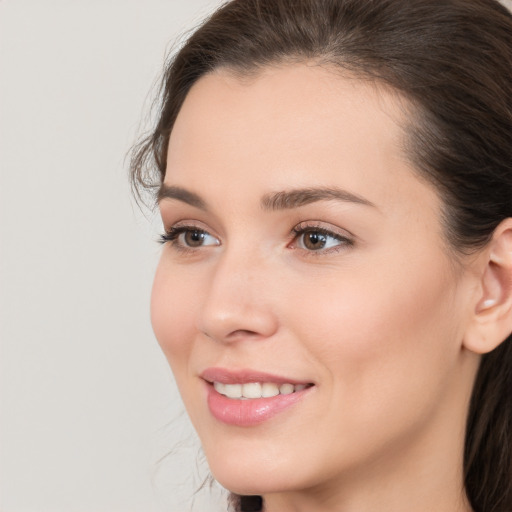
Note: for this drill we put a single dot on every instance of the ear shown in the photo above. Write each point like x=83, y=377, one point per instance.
x=491, y=323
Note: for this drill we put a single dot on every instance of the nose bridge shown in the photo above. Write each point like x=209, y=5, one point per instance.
x=237, y=301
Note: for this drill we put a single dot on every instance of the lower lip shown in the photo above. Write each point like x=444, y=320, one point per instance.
x=246, y=413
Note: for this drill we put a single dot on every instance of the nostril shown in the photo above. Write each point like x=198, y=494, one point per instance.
x=233, y=336
x=244, y=332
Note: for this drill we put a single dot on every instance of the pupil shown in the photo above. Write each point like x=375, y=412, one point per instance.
x=194, y=238
x=314, y=240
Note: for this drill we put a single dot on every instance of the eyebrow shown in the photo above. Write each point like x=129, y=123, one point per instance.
x=181, y=194
x=300, y=197
x=283, y=200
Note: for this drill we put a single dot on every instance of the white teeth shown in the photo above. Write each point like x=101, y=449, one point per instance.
x=251, y=390
x=269, y=389
x=219, y=387
x=256, y=389
x=286, y=389
x=233, y=390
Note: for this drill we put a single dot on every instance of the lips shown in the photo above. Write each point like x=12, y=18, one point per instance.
x=246, y=398
x=245, y=376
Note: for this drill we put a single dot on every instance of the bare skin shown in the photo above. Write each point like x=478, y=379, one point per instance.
x=376, y=315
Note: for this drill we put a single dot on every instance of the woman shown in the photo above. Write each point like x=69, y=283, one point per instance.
x=334, y=294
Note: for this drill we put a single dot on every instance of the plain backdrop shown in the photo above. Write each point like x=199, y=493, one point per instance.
x=88, y=405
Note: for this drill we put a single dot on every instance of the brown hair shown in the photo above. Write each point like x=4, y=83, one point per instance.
x=452, y=59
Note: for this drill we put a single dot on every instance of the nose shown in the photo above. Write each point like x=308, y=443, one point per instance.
x=237, y=304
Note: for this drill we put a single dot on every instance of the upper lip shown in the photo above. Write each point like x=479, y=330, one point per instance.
x=244, y=376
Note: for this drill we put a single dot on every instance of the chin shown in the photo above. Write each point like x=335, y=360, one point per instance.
x=247, y=472
x=252, y=483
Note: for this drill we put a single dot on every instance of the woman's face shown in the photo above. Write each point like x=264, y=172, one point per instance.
x=304, y=254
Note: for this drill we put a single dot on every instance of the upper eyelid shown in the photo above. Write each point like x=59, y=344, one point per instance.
x=192, y=223
x=188, y=224
x=326, y=227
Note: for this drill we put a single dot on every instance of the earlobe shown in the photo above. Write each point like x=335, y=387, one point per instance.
x=492, y=319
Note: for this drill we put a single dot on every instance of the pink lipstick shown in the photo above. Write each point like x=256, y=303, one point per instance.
x=245, y=398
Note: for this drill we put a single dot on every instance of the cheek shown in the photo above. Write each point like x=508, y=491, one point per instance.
x=385, y=346
x=172, y=301
x=388, y=341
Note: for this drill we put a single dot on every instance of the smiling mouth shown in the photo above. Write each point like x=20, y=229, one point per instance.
x=255, y=390
x=246, y=398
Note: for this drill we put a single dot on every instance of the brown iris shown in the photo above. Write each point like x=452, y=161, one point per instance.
x=314, y=240
x=194, y=238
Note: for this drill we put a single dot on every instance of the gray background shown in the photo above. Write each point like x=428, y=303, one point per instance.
x=87, y=400
x=88, y=405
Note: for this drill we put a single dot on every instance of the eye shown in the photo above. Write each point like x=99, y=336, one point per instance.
x=196, y=238
x=189, y=237
x=316, y=239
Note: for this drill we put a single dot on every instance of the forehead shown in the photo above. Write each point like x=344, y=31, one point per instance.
x=289, y=102
x=301, y=125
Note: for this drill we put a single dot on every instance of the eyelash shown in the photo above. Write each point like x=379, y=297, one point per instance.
x=172, y=236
